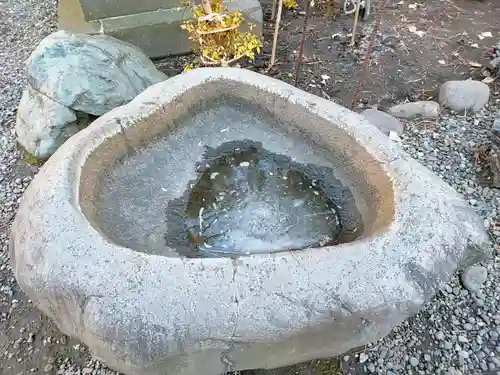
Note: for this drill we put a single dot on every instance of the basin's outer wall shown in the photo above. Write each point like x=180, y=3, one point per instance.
x=152, y=315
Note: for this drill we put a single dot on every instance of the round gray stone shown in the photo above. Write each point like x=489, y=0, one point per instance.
x=383, y=121
x=414, y=361
x=464, y=95
x=473, y=277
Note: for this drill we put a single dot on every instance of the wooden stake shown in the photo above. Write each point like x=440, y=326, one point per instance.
x=276, y=32
x=207, y=7
x=273, y=11
x=355, y=25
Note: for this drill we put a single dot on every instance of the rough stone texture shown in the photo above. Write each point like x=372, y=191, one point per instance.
x=423, y=108
x=383, y=121
x=464, y=95
x=474, y=277
x=145, y=314
x=91, y=74
x=74, y=74
x=152, y=25
x=43, y=124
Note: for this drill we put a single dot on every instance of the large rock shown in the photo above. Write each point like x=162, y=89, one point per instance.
x=464, y=95
x=385, y=122
x=422, y=108
x=156, y=313
x=43, y=124
x=72, y=75
x=91, y=74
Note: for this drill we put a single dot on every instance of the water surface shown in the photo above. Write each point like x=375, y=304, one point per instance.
x=137, y=192
x=247, y=200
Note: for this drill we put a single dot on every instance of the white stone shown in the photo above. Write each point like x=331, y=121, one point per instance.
x=363, y=358
x=463, y=354
x=464, y=95
x=474, y=277
x=423, y=108
x=383, y=121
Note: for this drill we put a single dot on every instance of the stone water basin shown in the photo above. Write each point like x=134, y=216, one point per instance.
x=327, y=234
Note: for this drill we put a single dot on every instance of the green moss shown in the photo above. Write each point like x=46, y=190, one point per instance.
x=32, y=160
x=331, y=366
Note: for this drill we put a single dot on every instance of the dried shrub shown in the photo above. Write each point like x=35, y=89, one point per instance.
x=218, y=35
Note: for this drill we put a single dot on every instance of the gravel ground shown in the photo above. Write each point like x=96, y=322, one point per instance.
x=458, y=332
x=23, y=24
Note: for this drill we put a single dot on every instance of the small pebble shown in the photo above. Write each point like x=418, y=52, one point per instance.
x=363, y=358
x=48, y=367
x=414, y=361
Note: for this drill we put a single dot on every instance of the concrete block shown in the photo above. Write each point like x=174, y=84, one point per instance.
x=71, y=18
x=98, y=9
x=158, y=33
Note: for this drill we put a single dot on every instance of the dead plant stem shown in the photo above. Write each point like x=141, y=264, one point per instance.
x=276, y=32
x=368, y=55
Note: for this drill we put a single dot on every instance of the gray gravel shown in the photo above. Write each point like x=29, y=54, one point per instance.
x=458, y=332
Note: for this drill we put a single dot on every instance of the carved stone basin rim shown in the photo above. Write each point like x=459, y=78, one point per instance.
x=150, y=314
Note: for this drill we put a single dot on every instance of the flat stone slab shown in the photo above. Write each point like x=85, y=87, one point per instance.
x=144, y=313
x=421, y=108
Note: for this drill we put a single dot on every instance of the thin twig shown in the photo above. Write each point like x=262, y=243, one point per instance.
x=302, y=42
x=368, y=54
x=276, y=32
x=355, y=25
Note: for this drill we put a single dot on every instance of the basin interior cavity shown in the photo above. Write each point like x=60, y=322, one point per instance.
x=233, y=174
